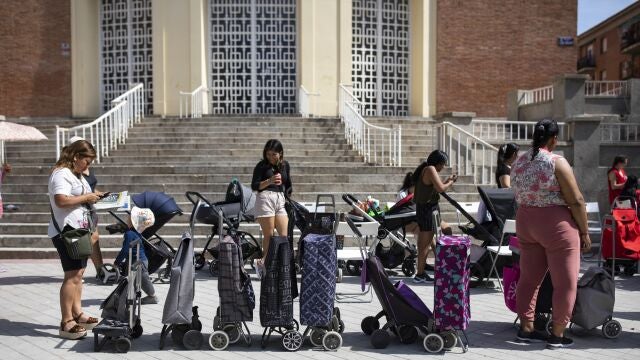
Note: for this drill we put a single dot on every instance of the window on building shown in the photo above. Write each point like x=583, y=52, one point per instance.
x=590, y=50
x=625, y=70
x=603, y=45
x=603, y=75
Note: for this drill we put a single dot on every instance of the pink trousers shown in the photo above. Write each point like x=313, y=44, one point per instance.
x=549, y=239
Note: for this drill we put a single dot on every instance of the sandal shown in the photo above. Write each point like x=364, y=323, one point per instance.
x=88, y=324
x=76, y=332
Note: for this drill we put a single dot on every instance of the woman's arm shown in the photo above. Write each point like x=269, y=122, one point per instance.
x=575, y=200
x=63, y=201
x=612, y=181
x=430, y=175
x=505, y=181
x=256, y=183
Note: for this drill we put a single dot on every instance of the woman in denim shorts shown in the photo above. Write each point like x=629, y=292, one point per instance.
x=271, y=181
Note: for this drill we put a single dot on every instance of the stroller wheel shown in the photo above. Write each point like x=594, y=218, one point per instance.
x=200, y=261
x=450, y=340
x=353, y=267
x=122, y=344
x=136, y=332
x=433, y=343
x=339, y=275
x=341, y=326
x=316, y=337
x=408, y=334
x=331, y=340
x=233, y=332
x=369, y=325
x=611, y=329
x=292, y=340
x=192, y=340
x=408, y=268
x=380, y=339
x=213, y=268
x=219, y=340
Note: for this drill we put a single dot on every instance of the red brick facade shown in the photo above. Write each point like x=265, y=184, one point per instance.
x=35, y=58
x=486, y=48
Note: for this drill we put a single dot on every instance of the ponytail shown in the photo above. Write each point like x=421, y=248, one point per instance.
x=542, y=132
x=506, y=151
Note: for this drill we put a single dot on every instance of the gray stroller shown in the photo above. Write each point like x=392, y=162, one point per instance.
x=237, y=299
x=180, y=317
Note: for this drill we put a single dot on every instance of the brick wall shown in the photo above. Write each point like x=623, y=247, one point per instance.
x=35, y=63
x=486, y=48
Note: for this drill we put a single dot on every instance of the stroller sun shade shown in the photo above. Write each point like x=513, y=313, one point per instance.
x=163, y=206
x=239, y=193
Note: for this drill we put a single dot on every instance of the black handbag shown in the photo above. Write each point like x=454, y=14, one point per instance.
x=76, y=241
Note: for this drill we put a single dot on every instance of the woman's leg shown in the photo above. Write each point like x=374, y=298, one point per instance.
x=70, y=293
x=282, y=224
x=267, y=224
x=425, y=239
x=96, y=253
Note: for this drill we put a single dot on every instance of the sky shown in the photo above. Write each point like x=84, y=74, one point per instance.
x=593, y=12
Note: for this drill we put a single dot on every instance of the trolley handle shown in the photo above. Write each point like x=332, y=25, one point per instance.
x=350, y=199
x=194, y=195
x=353, y=227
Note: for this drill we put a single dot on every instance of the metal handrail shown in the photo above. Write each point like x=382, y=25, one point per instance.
x=193, y=102
x=304, y=101
x=501, y=130
x=110, y=128
x=468, y=154
x=377, y=144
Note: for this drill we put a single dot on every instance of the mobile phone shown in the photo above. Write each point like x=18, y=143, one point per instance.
x=105, y=195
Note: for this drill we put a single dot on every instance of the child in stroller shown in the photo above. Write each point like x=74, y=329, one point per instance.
x=139, y=220
x=236, y=208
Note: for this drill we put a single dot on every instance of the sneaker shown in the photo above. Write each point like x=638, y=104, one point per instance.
x=531, y=337
x=422, y=278
x=428, y=267
x=150, y=299
x=556, y=342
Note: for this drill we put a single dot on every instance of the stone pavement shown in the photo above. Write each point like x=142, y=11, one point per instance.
x=29, y=318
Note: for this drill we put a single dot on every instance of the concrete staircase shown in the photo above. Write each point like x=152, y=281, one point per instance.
x=203, y=155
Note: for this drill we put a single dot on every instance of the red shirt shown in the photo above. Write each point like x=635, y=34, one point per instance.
x=621, y=178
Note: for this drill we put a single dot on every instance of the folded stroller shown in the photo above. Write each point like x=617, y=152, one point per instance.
x=278, y=288
x=236, y=208
x=623, y=225
x=237, y=299
x=180, y=317
x=157, y=249
x=407, y=316
x=400, y=251
x=121, y=309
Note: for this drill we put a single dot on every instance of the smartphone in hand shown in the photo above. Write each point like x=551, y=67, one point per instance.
x=105, y=195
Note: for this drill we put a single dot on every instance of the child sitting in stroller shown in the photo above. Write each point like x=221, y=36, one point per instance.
x=139, y=220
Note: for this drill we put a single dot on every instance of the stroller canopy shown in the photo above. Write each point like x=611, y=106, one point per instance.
x=159, y=202
x=237, y=192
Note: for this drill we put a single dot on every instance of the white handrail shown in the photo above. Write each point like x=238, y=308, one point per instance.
x=193, y=102
x=468, y=154
x=111, y=128
x=500, y=130
x=614, y=133
x=378, y=145
x=538, y=95
x=603, y=88
x=304, y=101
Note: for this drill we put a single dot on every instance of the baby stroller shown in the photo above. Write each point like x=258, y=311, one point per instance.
x=157, y=249
x=180, y=317
x=121, y=310
x=400, y=251
x=406, y=315
x=236, y=208
x=237, y=299
x=622, y=225
x=318, y=260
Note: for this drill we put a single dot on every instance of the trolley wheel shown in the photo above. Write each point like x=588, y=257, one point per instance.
x=433, y=343
x=353, y=267
x=136, y=331
x=331, y=340
x=177, y=334
x=219, y=340
x=339, y=275
x=450, y=340
x=233, y=332
x=611, y=329
x=341, y=327
x=292, y=340
x=192, y=340
x=316, y=336
x=122, y=345
x=629, y=270
x=380, y=339
x=213, y=268
x=408, y=334
x=197, y=325
x=369, y=325
x=200, y=260
x=408, y=268
x=549, y=326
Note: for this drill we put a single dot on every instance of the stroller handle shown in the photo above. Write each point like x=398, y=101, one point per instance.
x=353, y=227
x=350, y=199
x=193, y=196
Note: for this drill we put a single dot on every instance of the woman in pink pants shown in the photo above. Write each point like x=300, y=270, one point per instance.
x=551, y=224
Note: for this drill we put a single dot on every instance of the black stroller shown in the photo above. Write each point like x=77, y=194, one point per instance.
x=121, y=309
x=400, y=251
x=157, y=249
x=179, y=316
x=236, y=208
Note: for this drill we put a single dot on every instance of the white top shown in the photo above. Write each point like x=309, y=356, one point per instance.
x=63, y=181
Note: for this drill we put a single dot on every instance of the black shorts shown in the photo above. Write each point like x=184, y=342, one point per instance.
x=424, y=216
x=68, y=264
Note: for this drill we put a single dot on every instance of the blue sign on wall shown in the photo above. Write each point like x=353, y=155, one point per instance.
x=565, y=41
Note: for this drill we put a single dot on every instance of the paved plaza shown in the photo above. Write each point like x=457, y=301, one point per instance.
x=29, y=318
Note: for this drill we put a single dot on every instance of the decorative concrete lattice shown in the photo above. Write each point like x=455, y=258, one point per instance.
x=380, y=56
x=125, y=49
x=253, y=56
